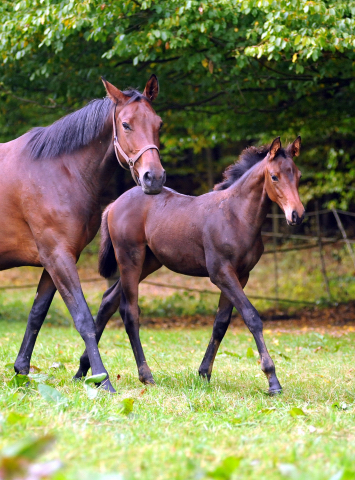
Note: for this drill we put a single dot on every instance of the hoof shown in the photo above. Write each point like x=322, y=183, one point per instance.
x=274, y=392
x=205, y=376
x=107, y=385
x=147, y=381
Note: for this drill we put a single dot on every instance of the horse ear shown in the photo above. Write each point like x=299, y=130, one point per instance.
x=113, y=92
x=274, y=148
x=152, y=88
x=295, y=147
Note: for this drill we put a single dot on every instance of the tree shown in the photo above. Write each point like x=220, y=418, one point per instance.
x=230, y=71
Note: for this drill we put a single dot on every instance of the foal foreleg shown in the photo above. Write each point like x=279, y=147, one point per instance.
x=109, y=305
x=220, y=326
x=226, y=279
x=43, y=299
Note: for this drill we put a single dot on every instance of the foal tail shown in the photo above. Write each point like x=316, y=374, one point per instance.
x=107, y=259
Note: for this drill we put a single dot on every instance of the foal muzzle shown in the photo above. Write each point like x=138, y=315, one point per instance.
x=295, y=219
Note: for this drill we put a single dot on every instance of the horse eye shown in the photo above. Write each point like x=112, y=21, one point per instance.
x=161, y=126
x=274, y=178
x=126, y=126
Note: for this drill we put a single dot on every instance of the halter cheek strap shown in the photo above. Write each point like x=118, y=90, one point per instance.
x=119, y=151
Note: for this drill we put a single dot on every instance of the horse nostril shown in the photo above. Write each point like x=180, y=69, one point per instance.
x=147, y=178
x=294, y=217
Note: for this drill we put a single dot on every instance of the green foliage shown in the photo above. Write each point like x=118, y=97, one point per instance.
x=229, y=71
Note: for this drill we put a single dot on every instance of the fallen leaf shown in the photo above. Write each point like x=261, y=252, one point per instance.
x=38, y=377
x=250, y=353
x=19, y=380
x=52, y=395
x=34, y=369
x=226, y=469
x=126, y=406
x=295, y=412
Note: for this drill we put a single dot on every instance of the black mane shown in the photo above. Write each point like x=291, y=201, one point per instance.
x=75, y=130
x=248, y=158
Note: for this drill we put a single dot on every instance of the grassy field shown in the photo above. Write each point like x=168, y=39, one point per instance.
x=184, y=428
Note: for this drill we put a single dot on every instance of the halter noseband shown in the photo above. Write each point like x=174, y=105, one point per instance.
x=118, y=149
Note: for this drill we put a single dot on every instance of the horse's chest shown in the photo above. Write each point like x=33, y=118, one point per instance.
x=247, y=258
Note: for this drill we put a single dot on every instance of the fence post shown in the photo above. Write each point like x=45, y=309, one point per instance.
x=320, y=247
x=345, y=237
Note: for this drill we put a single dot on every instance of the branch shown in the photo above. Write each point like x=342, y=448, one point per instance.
x=27, y=100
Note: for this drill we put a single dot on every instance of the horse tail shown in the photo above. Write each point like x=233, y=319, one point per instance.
x=107, y=259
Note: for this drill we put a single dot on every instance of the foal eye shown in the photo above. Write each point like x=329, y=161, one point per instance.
x=161, y=126
x=274, y=178
x=126, y=126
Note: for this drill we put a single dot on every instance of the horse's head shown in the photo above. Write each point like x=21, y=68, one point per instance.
x=282, y=179
x=136, y=134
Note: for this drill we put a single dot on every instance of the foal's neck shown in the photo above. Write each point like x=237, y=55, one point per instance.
x=249, y=199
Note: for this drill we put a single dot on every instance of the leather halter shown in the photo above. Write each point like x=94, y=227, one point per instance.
x=119, y=150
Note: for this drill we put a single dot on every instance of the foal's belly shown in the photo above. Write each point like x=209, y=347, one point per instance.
x=189, y=260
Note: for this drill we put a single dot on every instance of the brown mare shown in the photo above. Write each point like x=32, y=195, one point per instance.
x=51, y=180
x=216, y=235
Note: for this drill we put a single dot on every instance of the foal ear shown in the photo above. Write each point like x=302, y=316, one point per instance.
x=274, y=148
x=295, y=147
x=113, y=92
x=152, y=88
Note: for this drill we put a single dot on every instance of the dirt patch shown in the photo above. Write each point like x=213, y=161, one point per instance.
x=341, y=317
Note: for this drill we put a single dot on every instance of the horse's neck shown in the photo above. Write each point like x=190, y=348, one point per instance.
x=97, y=162
x=249, y=199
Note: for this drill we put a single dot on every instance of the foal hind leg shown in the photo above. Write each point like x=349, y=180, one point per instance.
x=43, y=299
x=220, y=327
x=131, y=275
x=109, y=304
x=226, y=279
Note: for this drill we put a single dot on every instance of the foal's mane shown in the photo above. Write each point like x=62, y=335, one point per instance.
x=75, y=130
x=248, y=158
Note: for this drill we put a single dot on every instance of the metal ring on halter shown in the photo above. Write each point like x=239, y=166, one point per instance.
x=119, y=150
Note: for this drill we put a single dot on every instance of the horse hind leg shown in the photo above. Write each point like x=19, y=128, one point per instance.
x=109, y=305
x=44, y=296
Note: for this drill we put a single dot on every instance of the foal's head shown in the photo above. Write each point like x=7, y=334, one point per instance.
x=137, y=125
x=282, y=179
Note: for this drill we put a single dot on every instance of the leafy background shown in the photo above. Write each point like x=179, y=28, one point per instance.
x=231, y=73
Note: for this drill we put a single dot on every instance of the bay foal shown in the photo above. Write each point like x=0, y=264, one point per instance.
x=216, y=235
x=51, y=181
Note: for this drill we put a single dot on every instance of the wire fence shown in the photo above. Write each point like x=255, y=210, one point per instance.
x=309, y=242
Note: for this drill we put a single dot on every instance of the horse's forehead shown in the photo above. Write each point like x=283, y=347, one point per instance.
x=137, y=110
x=286, y=163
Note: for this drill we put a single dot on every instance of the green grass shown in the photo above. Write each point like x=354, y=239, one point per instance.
x=183, y=427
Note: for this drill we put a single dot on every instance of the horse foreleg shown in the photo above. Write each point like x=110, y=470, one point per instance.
x=43, y=299
x=220, y=327
x=61, y=265
x=109, y=305
x=226, y=279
